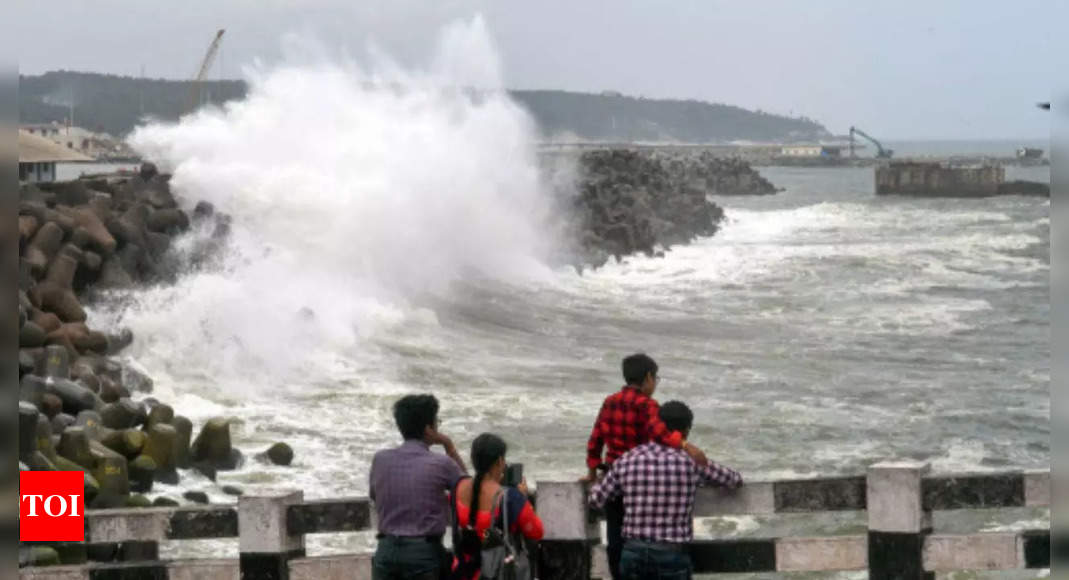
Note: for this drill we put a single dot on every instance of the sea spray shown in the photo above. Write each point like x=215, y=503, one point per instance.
x=354, y=189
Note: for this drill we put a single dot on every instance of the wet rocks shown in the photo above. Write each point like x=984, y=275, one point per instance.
x=212, y=446
x=279, y=454
x=77, y=240
x=640, y=201
x=196, y=497
x=142, y=473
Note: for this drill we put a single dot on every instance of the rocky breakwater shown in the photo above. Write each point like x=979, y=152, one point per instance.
x=636, y=201
x=717, y=175
x=80, y=408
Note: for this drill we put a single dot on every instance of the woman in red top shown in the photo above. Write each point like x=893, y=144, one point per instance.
x=488, y=458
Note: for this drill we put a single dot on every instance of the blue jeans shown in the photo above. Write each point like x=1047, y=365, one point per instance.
x=408, y=559
x=642, y=562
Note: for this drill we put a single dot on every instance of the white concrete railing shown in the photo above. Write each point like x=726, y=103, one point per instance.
x=898, y=498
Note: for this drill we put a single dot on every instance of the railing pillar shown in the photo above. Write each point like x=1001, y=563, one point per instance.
x=569, y=531
x=264, y=541
x=898, y=521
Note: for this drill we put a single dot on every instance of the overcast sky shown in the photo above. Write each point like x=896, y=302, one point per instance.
x=899, y=69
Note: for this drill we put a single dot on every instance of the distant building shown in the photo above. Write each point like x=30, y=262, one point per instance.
x=1029, y=153
x=811, y=151
x=84, y=141
x=38, y=157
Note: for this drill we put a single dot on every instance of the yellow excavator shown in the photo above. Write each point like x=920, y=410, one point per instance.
x=205, y=65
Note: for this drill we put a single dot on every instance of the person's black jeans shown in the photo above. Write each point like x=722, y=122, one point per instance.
x=614, y=530
x=409, y=559
x=641, y=561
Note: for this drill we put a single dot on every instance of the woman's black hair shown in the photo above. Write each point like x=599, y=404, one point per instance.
x=485, y=451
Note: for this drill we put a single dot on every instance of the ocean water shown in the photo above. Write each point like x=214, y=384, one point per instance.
x=403, y=248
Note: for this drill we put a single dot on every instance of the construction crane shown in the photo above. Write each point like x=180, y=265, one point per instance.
x=205, y=65
x=881, y=153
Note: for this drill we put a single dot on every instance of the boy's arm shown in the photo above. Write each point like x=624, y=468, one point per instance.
x=594, y=447
x=606, y=489
x=716, y=474
x=659, y=432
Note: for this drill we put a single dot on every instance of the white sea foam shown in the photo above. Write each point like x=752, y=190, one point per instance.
x=354, y=187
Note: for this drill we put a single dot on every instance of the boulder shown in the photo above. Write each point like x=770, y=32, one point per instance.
x=44, y=246
x=160, y=447
x=205, y=468
x=28, y=225
x=233, y=490
x=203, y=210
x=92, y=423
x=122, y=414
x=51, y=405
x=91, y=487
x=279, y=454
x=100, y=239
x=31, y=335
x=91, y=382
x=160, y=414
x=148, y=171
x=32, y=389
x=28, y=360
x=58, y=299
x=113, y=275
x=44, y=438
x=142, y=473
x=40, y=556
x=171, y=221
x=76, y=398
x=135, y=380
x=163, y=501
x=120, y=340
x=137, y=500
x=27, y=429
x=60, y=423
x=46, y=320
x=126, y=442
x=57, y=362
x=110, y=470
x=212, y=446
x=184, y=433
x=74, y=445
x=158, y=244
x=196, y=497
x=111, y=392
x=38, y=461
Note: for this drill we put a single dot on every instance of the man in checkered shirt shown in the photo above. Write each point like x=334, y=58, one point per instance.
x=628, y=418
x=657, y=483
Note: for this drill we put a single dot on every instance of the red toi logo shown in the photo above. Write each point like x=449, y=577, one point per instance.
x=51, y=506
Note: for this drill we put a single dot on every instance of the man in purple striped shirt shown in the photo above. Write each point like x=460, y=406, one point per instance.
x=658, y=483
x=409, y=485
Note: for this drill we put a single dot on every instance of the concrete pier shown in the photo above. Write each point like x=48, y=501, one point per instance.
x=938, y=180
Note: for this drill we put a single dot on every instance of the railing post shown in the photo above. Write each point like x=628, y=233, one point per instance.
x=264, y=541
x=569, y=532
x=898, y=521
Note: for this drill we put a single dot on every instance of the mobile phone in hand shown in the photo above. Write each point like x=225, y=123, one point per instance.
x=514, y=474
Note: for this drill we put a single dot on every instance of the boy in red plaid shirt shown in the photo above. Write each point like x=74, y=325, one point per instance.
x=629, y=418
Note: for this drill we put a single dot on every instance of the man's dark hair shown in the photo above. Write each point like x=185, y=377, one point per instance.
x=677, y=416
x=414, y=413
x=636, y=367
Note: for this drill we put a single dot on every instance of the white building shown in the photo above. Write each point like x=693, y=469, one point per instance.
x=811, y=151
x=38, y=157
x=82, y=140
